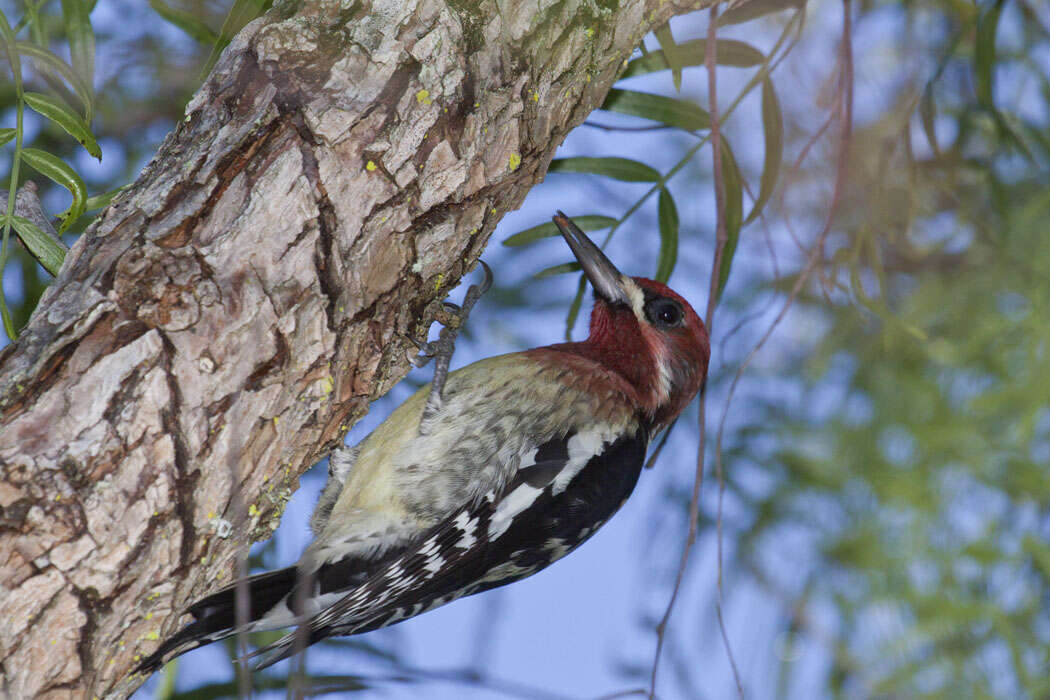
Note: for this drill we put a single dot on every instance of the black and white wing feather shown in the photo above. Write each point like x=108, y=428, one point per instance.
x=555, y=501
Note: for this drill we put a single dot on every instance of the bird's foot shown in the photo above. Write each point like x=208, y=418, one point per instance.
x=452, y=317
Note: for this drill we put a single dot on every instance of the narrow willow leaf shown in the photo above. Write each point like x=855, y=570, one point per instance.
x=7, y=135
x=927, y=114
x=241, y=12
x=728, y=52
x=9, y=322
x=57, y=111
x=667, y=213
x=734, y=211
x=81, y=43
x=773, y=130
x=48, y=62
x=984, y=55
x=623, y=169
x=756, y=8
x=41, y=246
x=52, y=167
x=589, y=222
x=102, y=200
x=11, y=49
x=574, y=307
x=558, y=270
x=667, y=110
x=671, y=54
x=186, y=21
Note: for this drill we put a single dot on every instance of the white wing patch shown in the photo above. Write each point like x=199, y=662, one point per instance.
x=516, y=501
x=582, y=447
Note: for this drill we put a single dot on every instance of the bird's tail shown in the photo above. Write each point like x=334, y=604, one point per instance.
x=216, y=615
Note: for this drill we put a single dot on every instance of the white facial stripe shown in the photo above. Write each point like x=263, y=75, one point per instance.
x=635, y=295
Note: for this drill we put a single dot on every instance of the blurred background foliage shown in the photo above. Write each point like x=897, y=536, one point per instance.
x=885, y=454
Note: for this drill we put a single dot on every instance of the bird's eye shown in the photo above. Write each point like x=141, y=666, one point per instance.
x=664, y=313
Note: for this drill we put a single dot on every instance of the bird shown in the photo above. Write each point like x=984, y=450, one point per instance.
x=487, y=475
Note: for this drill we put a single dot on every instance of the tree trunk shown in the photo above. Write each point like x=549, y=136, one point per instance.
x=220, y=326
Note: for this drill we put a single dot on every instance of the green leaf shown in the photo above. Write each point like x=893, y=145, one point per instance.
x=667, y=213
x=41, y=246
x=575, y=306
x=57, y=111
x=984, y=55
x=9, y=322
x=734, y=210
x=754, y=9
x=623, y=169
x=7, y=135
x=728, y=52
x=927, y=113
x=558, y=270
x=46, y=61
x=102, y=200
x=773, y=130
x=52, y=167
x=11, y=49
x=186, y=21
x=589, y=222
x=671, y=54
x=679, y=113
x=81, y=43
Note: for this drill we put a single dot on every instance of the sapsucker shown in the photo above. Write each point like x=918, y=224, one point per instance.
x=507, y=467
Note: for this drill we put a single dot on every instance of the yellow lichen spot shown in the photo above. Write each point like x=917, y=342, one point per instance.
x=423, y=97
x=383, y=220
x=535, y=96
x=493, y=210
x=515, y=161
x=327, y=385
x=589, y=31
x=152, y=635
x=276, y=420
x=211, y=514
x=58, y=497
x=149, y=616
x=204, y=560
x=588, y=77
x=477, y=104
x=252, y=510
x=370, y=166
x=440, y=279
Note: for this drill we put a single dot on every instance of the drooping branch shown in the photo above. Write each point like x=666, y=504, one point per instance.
x=254, y=290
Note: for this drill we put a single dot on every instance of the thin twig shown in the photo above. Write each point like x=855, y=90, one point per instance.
x=712, y=300
x=716, y=151
x=659, y=448
x=845, y=113
x=242, y=592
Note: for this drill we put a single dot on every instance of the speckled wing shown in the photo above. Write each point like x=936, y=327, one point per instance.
x=408, y=475
x=543, y=512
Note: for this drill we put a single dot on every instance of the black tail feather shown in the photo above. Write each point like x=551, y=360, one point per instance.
x=216, y=615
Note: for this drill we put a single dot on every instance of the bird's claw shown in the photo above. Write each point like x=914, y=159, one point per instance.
x=451, y=317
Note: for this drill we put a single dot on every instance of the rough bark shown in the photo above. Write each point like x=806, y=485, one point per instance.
x=222, y=324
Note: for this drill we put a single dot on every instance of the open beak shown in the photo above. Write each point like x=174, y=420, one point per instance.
x=606, y=279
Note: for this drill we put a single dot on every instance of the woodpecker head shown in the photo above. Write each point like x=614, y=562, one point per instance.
x=642, y=330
